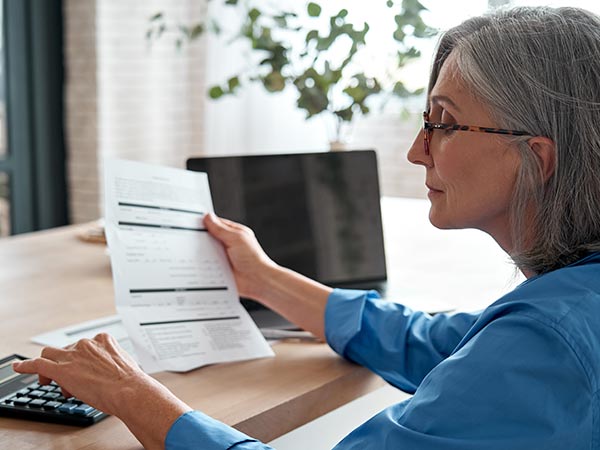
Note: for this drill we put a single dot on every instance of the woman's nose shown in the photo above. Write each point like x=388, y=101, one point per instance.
x=416, y=153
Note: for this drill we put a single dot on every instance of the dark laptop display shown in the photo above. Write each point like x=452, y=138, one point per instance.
x=316, y=213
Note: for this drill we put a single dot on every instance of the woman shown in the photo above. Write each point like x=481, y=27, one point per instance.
x=511, y=146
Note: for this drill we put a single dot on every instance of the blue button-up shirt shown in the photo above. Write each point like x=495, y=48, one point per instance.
x=522, y=374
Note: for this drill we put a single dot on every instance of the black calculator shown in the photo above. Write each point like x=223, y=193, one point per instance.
x=21, y=396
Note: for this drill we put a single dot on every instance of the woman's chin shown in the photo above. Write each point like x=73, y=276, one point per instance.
x=441, y=220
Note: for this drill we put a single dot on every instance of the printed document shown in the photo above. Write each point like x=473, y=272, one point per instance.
x=174, y=288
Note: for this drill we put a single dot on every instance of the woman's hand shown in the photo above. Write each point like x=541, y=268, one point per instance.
x=100, y=373
x=297, y=298
x=94, y=370
x=251, y=265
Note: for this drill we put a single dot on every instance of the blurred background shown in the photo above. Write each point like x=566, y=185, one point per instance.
x=163, y=80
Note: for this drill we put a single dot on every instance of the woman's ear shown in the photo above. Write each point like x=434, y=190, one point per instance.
x=545, y=150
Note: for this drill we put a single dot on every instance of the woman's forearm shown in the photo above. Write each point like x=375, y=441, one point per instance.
x=149, y=410
x=296, y=297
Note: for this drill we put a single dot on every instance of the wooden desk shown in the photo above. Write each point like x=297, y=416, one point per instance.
x=50, y=280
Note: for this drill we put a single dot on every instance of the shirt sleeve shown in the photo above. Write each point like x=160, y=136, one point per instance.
x=397, y=343
x=195, y=430
x=516, y=384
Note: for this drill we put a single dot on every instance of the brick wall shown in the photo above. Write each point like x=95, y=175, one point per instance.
x=124, y=97
x=81, y=108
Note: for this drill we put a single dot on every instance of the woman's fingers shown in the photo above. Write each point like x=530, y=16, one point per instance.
x=230, y=233
x=94, y=370
x=45, y=368
x=217, y=227
x=119, y=355
x=247, y=258
x=54, y=354
x=234, y=225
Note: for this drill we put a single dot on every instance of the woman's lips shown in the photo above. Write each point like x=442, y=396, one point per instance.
x=432, y=189
x=433, y=192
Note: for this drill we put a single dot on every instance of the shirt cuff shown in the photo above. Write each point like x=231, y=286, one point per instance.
x=197, y=430
x=343, y=316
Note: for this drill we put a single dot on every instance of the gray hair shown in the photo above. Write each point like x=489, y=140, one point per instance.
x=538, y=69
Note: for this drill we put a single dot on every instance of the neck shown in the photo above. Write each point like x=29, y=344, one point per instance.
x=528, y=273
x=505, y=242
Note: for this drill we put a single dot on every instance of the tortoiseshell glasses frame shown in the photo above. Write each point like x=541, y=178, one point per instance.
x=428, y=128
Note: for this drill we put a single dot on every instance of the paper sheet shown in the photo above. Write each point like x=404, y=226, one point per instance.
x=71, y=334
x=113, y=325
x=174, y=289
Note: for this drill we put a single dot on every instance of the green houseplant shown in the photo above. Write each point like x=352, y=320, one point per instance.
x=326, y=80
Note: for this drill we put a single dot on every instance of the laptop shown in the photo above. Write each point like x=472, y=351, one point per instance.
x=316, y=213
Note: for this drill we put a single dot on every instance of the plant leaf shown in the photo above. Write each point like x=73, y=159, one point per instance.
x=312, y=34
x=400, y=90
x=233, y=83
x=254, y=14
x=196, y=31
x=313, y=101
x=214, y=27
x=399, y=35
x=345, y=114
x=274, y=82
x=216, y=92
x=314, y=10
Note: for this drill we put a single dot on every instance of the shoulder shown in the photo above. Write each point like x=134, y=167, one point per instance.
x=516, y=378
x=557, y=313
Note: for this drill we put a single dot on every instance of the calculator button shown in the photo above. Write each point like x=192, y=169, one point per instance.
x=34, y=386
x=47, y=388
x=36, y=394
x=52, y=405
x=37, y=403
x=21, y=401
x=51, y=395
x=83, y=409
x=67, y=408
x=23, y=392
x=60, y=399
x=10, y=400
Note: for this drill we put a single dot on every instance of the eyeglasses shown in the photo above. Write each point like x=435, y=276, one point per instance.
x=428, y=128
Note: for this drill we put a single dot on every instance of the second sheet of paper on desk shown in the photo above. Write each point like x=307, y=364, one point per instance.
x=174, y=288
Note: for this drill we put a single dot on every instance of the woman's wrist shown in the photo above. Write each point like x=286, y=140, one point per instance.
x=266, y=282
x=274, y=283
x=149, y=410
x=299, y=299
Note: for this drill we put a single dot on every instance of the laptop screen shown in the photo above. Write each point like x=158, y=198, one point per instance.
x=316, y=213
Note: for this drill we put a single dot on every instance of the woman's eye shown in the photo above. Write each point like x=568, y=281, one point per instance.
x=446, y=117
